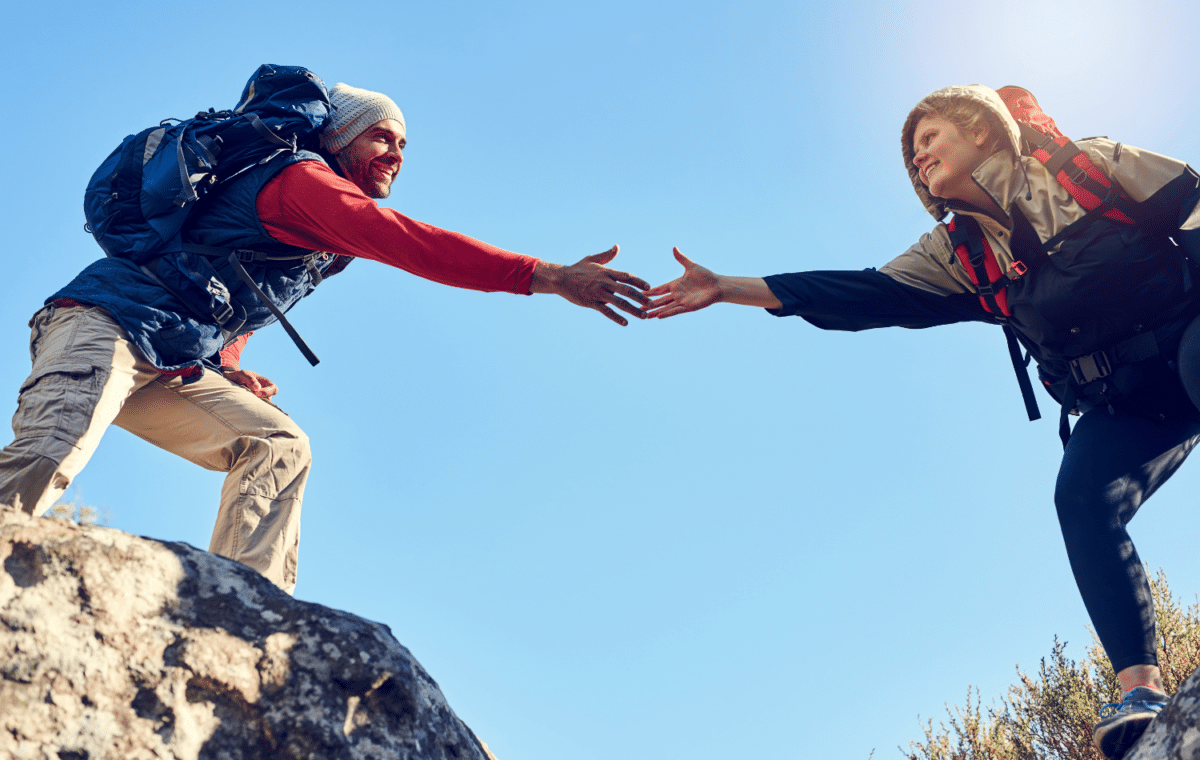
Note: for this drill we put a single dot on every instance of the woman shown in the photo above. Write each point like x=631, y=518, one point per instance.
x=1107, y=309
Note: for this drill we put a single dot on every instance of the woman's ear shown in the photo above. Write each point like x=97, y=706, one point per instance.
x=981, y=133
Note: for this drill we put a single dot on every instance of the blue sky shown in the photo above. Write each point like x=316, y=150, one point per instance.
x=722, y=535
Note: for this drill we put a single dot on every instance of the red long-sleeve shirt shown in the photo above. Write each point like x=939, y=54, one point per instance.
x=308, y=205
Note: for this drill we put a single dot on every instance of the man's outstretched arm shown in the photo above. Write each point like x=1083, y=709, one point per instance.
x=309, y=206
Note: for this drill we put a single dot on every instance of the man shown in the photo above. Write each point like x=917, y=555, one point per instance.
x=120, y=345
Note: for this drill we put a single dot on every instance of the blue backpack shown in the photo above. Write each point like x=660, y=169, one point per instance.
x=137, y=201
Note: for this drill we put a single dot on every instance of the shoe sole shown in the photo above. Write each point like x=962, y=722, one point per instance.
x=1120, y=738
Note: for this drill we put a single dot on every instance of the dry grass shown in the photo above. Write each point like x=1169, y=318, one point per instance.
x=1049, y=715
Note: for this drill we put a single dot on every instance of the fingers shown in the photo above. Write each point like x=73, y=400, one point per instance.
x=260, y=386
x=669, y=307
x=671, y=312
x=656, y=309
x=628, y=292
x=628, y=308
x=266, y=388
x=609, y=288
x=612, y=314
x=604, y=258
x=660, y=290
x=627, y=278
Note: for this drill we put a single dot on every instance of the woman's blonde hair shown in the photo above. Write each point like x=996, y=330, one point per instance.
x=967, y=115
x=970, y=108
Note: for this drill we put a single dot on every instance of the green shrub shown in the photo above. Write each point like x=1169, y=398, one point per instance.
x=1049, y=716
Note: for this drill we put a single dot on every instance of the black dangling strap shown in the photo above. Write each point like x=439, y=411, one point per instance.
x=291, y=331
x=1021, y=367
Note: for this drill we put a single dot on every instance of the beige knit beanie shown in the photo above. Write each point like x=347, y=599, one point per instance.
x=353, y=111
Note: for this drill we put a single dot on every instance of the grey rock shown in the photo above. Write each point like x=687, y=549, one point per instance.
x=123, y=648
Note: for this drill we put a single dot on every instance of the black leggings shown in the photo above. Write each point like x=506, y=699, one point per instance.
x=1114, y=461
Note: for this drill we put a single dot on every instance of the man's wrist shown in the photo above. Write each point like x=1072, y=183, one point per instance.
x=546, y=276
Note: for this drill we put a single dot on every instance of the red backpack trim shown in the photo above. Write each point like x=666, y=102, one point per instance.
x=977, y=257
x=1069, y=165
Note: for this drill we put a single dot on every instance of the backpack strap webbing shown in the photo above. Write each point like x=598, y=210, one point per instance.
x=978, y=258
x=1081, y=178
x=1103, y=208
x=1021, y=368
x=1099, y=365
x=291, y=331
x=235, y=258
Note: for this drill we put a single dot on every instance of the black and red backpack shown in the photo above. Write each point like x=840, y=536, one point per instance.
x=1086, y=184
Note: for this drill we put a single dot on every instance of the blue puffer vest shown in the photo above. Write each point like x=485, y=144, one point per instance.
x=169, y=310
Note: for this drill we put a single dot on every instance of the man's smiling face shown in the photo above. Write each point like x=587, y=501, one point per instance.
x=372, y=160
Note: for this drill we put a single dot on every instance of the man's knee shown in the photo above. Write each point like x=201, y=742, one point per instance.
x=294, y=446
x=273, y=459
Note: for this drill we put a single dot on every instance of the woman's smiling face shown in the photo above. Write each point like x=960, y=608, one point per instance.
x=945, y=156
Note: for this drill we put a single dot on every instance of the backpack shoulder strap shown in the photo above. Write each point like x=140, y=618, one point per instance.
x=977, y=257
x=1067, y=163
x=1081, y=178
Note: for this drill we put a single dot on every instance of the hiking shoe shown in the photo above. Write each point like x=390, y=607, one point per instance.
x=1121, y=725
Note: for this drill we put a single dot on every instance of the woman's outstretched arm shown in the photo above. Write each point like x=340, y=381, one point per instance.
x=699, y=288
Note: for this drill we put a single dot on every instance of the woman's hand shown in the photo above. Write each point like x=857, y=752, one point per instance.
x=697, y=289
x=700, y=288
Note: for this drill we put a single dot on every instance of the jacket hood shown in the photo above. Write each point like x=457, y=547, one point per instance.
x=976, y=93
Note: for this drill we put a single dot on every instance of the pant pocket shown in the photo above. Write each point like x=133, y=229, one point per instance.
x=59, y=404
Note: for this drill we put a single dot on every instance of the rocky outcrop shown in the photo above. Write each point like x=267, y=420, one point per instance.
x=1175, y=732
x=114, y=647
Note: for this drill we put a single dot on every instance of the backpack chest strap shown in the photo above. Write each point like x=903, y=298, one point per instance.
x=1101, y=364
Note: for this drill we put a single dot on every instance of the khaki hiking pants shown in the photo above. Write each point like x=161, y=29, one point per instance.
x=86, y=375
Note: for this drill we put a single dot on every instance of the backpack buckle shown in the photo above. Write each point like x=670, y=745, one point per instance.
x=222, y=314
x=248, y=256
x=1091, y=367
x=1019, y=268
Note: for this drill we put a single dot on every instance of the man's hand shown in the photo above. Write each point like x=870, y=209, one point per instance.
x=592, y=285
x=254, y=382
